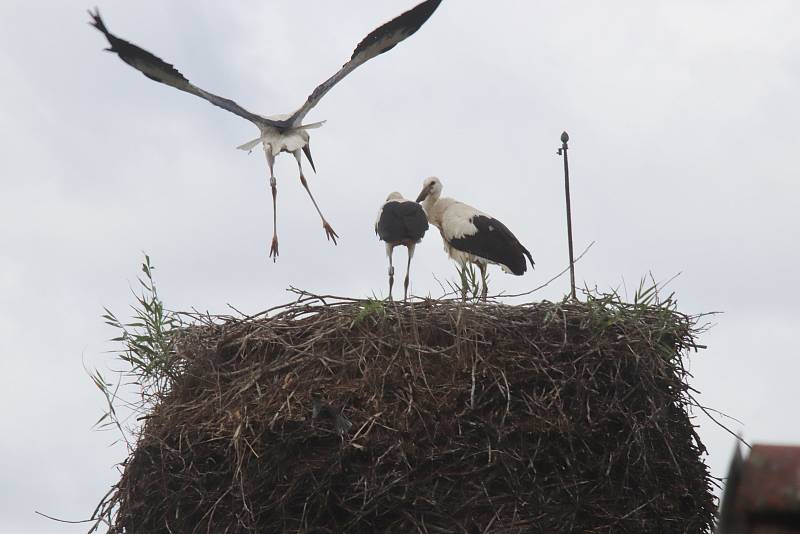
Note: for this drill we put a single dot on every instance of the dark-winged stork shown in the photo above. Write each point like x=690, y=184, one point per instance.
x=400, y=222
x=279, y=133
x=470, y=235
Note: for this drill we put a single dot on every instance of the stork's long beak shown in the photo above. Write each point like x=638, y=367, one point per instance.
x=307, y=152
x=423, y=194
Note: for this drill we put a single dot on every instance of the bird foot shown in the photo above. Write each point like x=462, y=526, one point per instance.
x=273, y=250
x=331, y=235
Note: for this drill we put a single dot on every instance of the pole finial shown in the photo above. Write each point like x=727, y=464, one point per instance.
x=564, y=137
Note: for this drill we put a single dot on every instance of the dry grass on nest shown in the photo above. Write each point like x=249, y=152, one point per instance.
x=333, y=416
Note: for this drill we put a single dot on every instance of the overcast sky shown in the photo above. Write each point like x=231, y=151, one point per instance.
x=683, y=117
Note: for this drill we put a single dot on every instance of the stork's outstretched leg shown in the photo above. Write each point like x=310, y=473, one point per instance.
x=408, y=271
x=389, y=251
x=328, y=230
x=273, y=249
x=484, y=281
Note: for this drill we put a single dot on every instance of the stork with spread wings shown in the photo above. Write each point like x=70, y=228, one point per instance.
x=279, y=133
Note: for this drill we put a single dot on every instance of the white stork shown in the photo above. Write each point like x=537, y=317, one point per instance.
x=279, y=133
x=400, y=222
x=470, y=235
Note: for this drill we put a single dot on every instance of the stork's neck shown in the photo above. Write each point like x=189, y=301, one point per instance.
x=434, y=207
x=429, y=203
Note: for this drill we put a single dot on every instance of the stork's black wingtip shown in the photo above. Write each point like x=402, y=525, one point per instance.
x=97, y=20
x=431, y=5
x=426, y=9
x=396, y=30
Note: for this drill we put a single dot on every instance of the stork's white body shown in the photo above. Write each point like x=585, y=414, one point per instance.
x=470, y=235
x=454, y=221
x=276, y=141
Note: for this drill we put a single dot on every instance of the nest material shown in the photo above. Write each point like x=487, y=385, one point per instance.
x=361, y=416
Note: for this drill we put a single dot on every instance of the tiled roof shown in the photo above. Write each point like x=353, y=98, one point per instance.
x=762, y=495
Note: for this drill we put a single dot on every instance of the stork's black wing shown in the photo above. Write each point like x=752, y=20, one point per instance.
x=376, y=43
x=159, y=70
x=401, y=222
x=495, y=242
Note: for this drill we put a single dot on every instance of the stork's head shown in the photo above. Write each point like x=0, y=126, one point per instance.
x=394, y=196
x=431, y=189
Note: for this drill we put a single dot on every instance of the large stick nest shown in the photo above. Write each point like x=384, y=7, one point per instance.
x=361, y=416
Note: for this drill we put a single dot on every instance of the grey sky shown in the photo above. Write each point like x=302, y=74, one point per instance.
x=683, y=117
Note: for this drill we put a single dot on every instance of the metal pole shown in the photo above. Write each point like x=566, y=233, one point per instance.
x=563, y=152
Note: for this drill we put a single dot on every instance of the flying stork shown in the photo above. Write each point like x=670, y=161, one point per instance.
x=279, y=133
x=400, y=222
x=470, y=235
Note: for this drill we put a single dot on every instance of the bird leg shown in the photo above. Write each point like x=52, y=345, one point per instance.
x=331, y=235
x=408, y=272
x=464, y=283
x=273, y=250
x=389, y=252
x=485, y=290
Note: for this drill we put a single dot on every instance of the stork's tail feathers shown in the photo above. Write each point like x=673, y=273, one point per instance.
x=250, y=145
x=528, y=254
x=310, y=126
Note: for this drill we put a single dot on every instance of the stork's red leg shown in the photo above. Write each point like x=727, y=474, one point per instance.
x=273, y=249
x=408, y=272
x=484, y=280
x=331, y=235
x=389, y=252
x=464, y=283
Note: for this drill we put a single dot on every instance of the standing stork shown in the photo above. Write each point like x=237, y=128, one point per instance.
x=470, y=235
x=279, y=133
x=400, y=222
